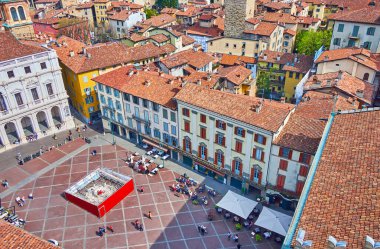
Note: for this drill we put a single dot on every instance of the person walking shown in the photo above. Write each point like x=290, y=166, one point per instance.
x=150, y=215
x=238, y=246
x=229, y=235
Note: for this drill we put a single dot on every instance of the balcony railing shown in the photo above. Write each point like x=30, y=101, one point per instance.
x=141, y=119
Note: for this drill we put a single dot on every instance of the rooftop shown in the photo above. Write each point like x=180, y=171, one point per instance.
x=230, y=60
x=160, y=20
x=263, y=28
x=369, y=15
x=14, y=48
x=120, y=16
x=156, y=87
x=196, y=59
x=343, y=200
x=292, y=62
x=235, y=74
x=159, y=38
x=266, y=114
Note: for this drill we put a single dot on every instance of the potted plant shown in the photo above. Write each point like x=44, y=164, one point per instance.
x=195, y=202
x=238, y=226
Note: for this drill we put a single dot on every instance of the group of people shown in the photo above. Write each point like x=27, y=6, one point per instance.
x=5, y=183
x=235, y=238
x=20, y=201
x=202, y=229
x=138, y=225
x=102, y=230
x=31, y=138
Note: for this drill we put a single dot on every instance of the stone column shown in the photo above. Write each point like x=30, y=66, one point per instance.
x=4, y=136
x=20, y=130
x=49, y=119
x=36, y=126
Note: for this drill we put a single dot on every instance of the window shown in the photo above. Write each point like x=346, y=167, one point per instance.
x=303, y=170
x=285, y=152
x=283, y=165
x=239, y=131
x=336, y=41
x=118, y=105
x=304, y=158
x=156, y=119
x=166, y=127
x=220, y=139
x=116, y=93
x=90, y=109
x=3, y=106
x=219, y=158
x=237, y=166
x=18, y=98
x=100, y=86
x=120, y=118
x=11, y=74
x=340, y=27
x=108, y=90
x=203, y=132
x=258, y=154
x=137, y=111
x=85, y=79
x=366, y=77
x=202, y=151
x=14, y=14
x=21, y=13
x=286, y=43
x=234, y=45
x=187, y=126
x=49, y=89
x=147, y=129
x=127, y=108
x=280, y=181
x=145, y=103
x=146, y=115
x=203, y=118
x=290, y=74
x=102, y=99
x=238, y=146
x=157, y=133
x=136, y=100
x=130, y=123
x=156, y=107
x=165, y=113
x=186, y=112
x=27, y=70
x=317, y=10
x=43, y=65
x=220, y=124
x=187, y=144
x=89, y=99
x=172, y=116
x=260, y=139
x=297, y=75
x=174, y=130
x=127, y=97
x=367, y=45
x=371, y=31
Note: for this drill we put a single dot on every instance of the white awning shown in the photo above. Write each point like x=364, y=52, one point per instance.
x=237, y=204
x=274, y=221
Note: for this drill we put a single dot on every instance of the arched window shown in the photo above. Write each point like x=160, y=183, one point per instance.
x=21, y=13
x=366, y=77
x=3, y=106
x=219, y=158
x=237, y=166
x=202, y=151
x=14, y=14
x=187, y=144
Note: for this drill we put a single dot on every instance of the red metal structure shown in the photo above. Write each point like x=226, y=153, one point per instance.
x=100, y=191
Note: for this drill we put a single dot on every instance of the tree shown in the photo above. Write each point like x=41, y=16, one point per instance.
x=150, y=12
x=263, y=83
x=307, y=42
x=167, y=3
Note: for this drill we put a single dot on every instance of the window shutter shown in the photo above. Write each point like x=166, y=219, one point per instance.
x=224, y=126
x=300, y=158
x=184, y=144
x=190, y=146
x=264, y=141
x=206, y=154
x=241, y=170
x=252, y=174
x=216, y=138
x=222, y=161
x=217, y=123
x=262, y=156
x=256, y=137
x=224, y=141
x=236, y=130
x=290, y=154
x=183, y=111
x=199, y=151
x=233, y=166
x=243, y=133
x=281, y=153
x=254, y=153
x=299, y=187
x=308, y=159
x=260, y=176
x=216, y=158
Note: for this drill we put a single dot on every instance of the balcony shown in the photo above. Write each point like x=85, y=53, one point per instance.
x=354, y=36
x=141, y=119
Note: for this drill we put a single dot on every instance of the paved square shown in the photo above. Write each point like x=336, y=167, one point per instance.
x=174, y=222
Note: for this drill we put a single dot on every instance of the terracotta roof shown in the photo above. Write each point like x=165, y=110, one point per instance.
x=288, y=60
x=253, y=20
x=190, y=11
x=343, y=201
x=315, y=2
x=159, y=38
x=170, y=11
x=213, y=6
x=263, y=28
x=197, y=59
x=168, y=48
x=290, y=32
x=47, y=1
x=101, y=1
x=160, y=20
x=235, y=74
x=369, y=15
x=347, y=4
x=360, y=55
x=123, y=15
x=84, y=5
x=187, y=40
x=270, y=115
x=136, y=37
x=280, y=17
x=13, y=237
x=155, y=87
x=207, y=80
x=278, y=5
x=206, y=17
x=230, y=60
x=345, y=82
x=14, y=48
x=145, y=52
x=204, y=31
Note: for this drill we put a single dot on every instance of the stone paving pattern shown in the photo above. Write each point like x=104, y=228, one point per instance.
x=173, y=224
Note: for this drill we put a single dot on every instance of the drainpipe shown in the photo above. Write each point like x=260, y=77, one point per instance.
x=306, y=190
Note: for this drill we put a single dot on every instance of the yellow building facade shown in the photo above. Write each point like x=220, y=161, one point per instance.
x=291, y=81
x=101, y=7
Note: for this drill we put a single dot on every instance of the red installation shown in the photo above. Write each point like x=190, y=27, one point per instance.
x=100, y=191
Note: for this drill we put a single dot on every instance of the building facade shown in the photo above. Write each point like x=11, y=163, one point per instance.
x=33, y=100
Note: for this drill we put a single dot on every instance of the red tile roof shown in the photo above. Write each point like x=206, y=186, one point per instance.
x=204, y=31
x=197, y=59
x=253, y=20
x=343, y=201
x=187, y=40
x=170, y=11
x=230, y=60
x=11, y=48
x=159, y=38
x=263, y=28
x=280, y=17
x=290, y=32
x=278, y=5
x=155, y=87
x=268, y=115
x=190, y=11
x=136, y=37
x=292, y=62
x=123, y=15
x=207, y=80
x=206, y=17
x=370, y=15
x=84, y=5
x=160, y=20
x=13, y=237
x=235, y=74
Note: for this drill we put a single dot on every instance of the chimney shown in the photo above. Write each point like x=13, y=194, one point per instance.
x=208, y=76
x=147, y=83
x=199, y=82
x=282, y=100
x=300, y=242
x=370, y=243
x=130, y=72
x=326, y=58
x=88, y=55
x=265, y=57
x=64, y=43
x=340, y=75
x=333, y=243
x=72, y=53
x=183, y=83
x=278, y=57
x=84, y=50
x=360, y=93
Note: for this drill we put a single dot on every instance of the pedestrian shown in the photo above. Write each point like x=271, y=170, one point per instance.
x=110, y=228
x=30, y=196
x=199, y=228
x=150, y=215
x=5, y=183
x=229, y=235
x=142, y=189
x=236, y=238
x=141, y=227
x=238, y=246
x=202, y=231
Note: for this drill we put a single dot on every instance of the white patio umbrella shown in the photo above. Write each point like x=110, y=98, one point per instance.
x=274, y=221
x=237, y=204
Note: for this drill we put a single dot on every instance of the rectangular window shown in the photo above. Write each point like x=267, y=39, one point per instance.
x=238, y=167
x=43, y=65
x=156, y=107
x=136, y=100
x=108, y=90
x=297, y=75
x=174, y=130
x=100, y=86
x=147, y=129
x=239, y=131
x=258, y=154
x=219, y=139
x=145, y=103
x=203, y=118
x=35, y=94
x=340, y=27
x=137, y=111
x=127, y=97
x=130, y=123
x=89, y=100
x=203, y=132
x=116, y=93
x=27, y=70
x=11, y=74
x=367, y=45
x=156, y=119
x=187, y=125
x=120, y=118
x=280, y=181
x=49, y=89
x=172, y=116
x=166, y=127
x=102, y=99
x=304, y=158
x=283, y=165
x=285, y=152
x=303, y=170
x=238, y=146
x=220, y=124
x=90, y=109
x=165, y=113
x=118, y=105
x=336, y=41
x=85, y=79
x=371, y=31
x=290, y=74
x=127, y=108
x=186, y=112
x=157, y=133
x=260, y=139
x=18, y=98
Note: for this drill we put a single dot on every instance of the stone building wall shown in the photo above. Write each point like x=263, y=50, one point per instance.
x=237, y=11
